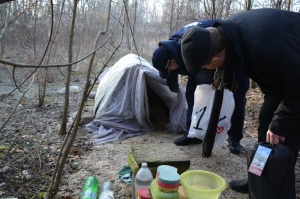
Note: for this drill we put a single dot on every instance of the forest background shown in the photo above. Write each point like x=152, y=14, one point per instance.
x=46, y=42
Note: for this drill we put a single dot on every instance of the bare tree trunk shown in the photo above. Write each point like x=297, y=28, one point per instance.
x=289, y=5
x=14, y=7
x=278, y=4
x=61, y=162
x=70, y=137
x=213, y=9
x=206, y=9
x=127, y=22
x=134, y=22
x=43, y=87
x=179, y=12
x=63, y=127
x=4, y=11
x=171, y=18
x=248, y=4
x=227, y=7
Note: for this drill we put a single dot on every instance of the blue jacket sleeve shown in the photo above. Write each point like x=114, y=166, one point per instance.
x=202, y=24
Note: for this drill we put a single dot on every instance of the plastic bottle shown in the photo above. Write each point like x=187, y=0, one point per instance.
x=90, y=188
x=107, y=191
x=143, y=179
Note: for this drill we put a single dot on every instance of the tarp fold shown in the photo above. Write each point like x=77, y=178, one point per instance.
x=121, y=106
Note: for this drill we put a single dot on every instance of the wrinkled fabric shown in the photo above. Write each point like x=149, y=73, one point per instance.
x=125, y=175
x=121, y=106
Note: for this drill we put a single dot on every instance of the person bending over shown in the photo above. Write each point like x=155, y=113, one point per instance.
x=265, y=44
x=168, y=61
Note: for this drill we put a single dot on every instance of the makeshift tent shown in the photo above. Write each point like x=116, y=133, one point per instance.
x=121, y=108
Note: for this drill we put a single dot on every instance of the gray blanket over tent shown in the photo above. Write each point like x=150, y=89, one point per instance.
x=121, y=108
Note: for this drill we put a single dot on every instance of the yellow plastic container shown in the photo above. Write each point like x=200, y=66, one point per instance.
x=199, y=184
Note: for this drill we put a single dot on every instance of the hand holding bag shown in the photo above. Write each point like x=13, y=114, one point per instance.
x=277, y=180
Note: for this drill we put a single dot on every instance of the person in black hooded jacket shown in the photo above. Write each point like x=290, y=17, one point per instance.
x=168, y=61
x=265, y=44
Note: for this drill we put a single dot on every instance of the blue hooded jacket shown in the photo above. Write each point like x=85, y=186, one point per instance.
x=173, y=45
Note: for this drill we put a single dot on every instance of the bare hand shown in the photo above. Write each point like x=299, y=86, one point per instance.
x=273, y=138
x=173, y=65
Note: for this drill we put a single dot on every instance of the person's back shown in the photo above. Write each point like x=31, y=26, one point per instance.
x=269, y=54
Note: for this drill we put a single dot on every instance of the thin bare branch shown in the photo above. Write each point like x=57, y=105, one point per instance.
x=14, y=110
x=108, y=18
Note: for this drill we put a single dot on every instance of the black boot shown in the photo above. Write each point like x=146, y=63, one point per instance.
x=234, y=147
x=239, y=185
x=185, y=140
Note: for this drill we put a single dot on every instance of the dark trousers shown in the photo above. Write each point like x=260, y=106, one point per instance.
x=270, y=104
x=266, y=114
x=189, y=95
x=205, y=76
x=235, y=133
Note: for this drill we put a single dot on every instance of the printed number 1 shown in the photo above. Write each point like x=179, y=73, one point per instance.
x=202, y=111
x=200, y=117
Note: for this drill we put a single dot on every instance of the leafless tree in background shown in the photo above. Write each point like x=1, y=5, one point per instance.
x=63, y=126
x=25, y=30
x=160, y=20
x=5, y=15
x=248, y=4
x=133, y=12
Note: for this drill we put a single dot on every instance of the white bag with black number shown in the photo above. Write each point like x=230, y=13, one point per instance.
x=203, y=102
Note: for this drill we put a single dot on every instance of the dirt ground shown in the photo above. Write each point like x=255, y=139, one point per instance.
x=30, y=144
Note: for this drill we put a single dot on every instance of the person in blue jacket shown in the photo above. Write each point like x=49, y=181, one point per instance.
x=168, y=61
x=265, y=44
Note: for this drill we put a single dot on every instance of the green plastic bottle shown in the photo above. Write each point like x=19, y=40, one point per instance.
x=90, y=188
